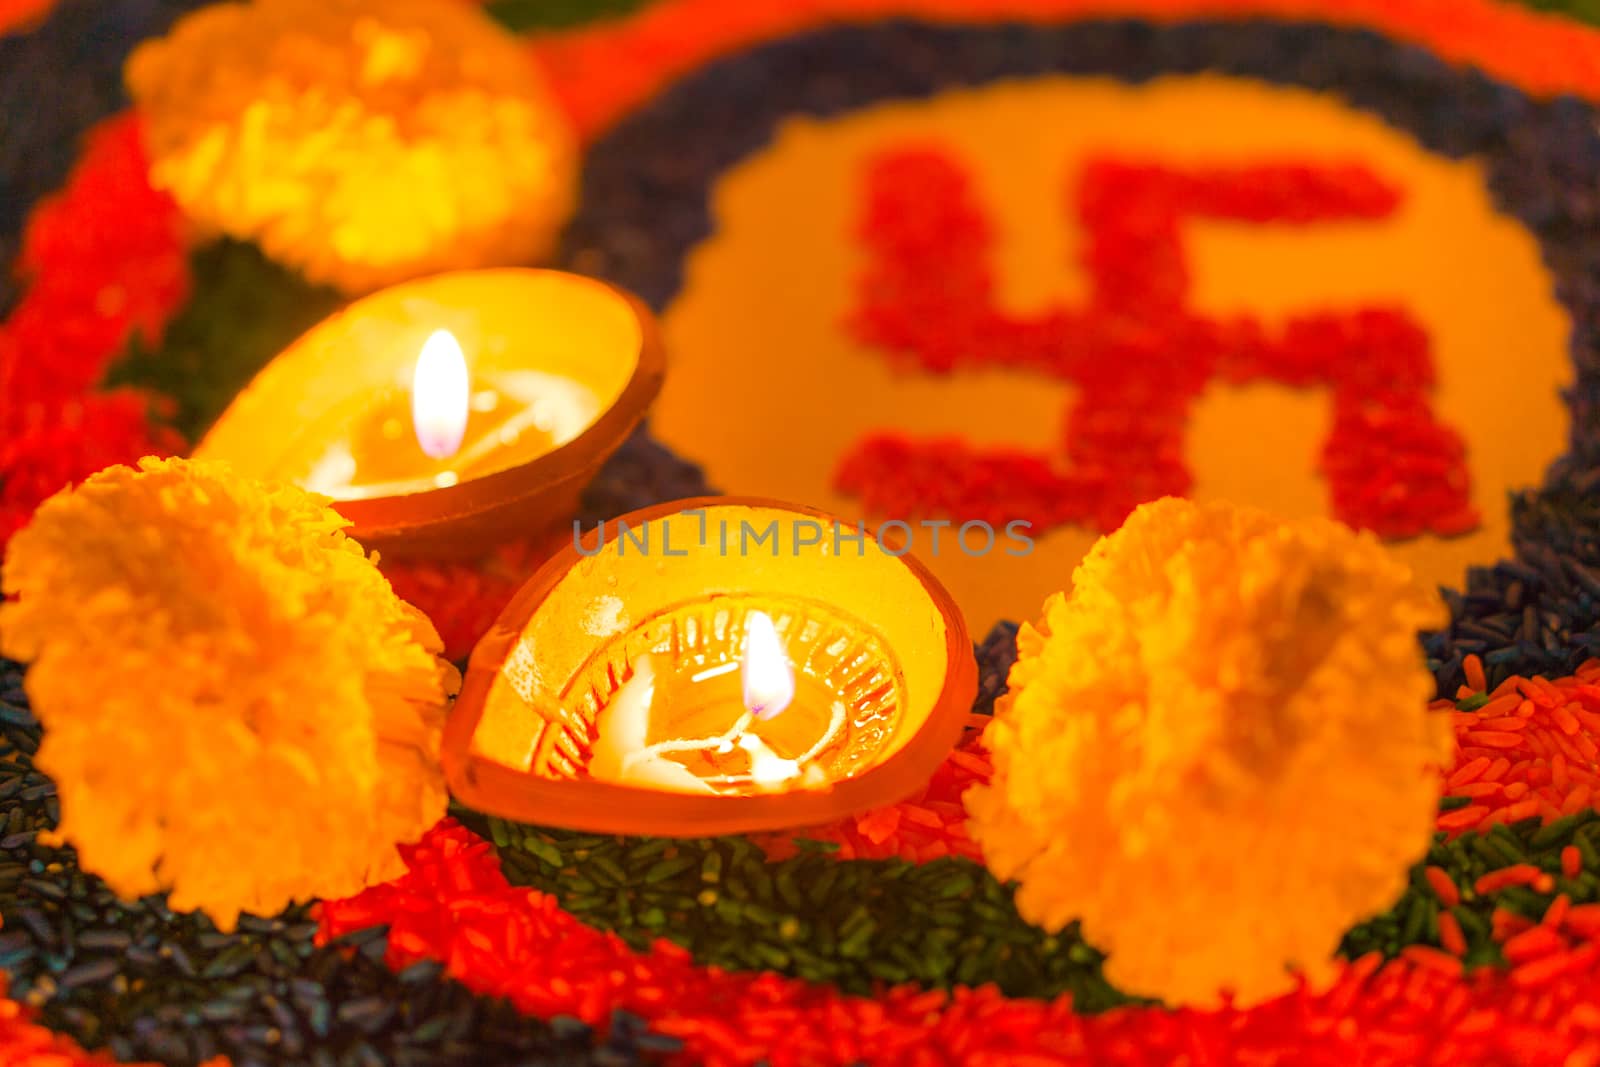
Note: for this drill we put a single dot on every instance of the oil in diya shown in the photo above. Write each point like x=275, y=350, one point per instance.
x=445, y=415
x=707, y=722
x=447, y=428
x=700, y=691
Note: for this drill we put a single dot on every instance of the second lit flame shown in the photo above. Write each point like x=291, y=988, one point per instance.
x=439, y=396
x=619, y=752
x=768, y=678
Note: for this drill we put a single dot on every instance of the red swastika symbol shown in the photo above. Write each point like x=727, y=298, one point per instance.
x=1138, y=353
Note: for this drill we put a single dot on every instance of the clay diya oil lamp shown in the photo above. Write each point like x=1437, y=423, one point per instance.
x=449, y=414
x=721, y=665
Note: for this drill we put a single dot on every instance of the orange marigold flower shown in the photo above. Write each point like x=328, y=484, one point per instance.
x=361, y=141
x=1217, y=752
x=236, y=706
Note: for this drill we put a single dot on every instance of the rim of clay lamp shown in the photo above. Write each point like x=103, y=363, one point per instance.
x=526, y=500
x=607, y=807
x=521, y=501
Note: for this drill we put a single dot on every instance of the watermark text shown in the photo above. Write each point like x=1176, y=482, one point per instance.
x=671, y=538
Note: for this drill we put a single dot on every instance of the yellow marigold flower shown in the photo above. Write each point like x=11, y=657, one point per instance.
x=236, y=706
x=1216, y=753
x=362, y=141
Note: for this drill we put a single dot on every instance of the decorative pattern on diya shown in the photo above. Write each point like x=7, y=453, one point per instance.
x=1052, y=300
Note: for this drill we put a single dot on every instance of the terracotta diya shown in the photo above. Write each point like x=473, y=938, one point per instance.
x=710, y=666
x=449, y=414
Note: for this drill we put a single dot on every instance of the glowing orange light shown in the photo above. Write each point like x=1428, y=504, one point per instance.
x=439, y=395
x=768, y=678
x=767, y=768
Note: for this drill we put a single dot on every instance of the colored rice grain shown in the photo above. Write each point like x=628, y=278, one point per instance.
x=670, y=39
x=721, y=902
x=24, y=1043
x=58, y=81
x=929, y=825
x=1472, y=667
x=927, y=298
x=852, y=923
x=455, y=905
x=1440, y=882
x=105, y=262
x=1451, y=939
x=1543, y=759
x=1476, y=893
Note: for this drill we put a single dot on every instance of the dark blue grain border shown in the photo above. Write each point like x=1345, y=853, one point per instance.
x=647, y=186
x=56, y=82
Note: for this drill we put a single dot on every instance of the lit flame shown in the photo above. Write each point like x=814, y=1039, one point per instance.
x=768, y=678
x=439, y=395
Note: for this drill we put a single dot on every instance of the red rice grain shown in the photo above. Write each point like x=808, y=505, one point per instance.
x=1450, y=936
x=1443, y=886
x=1571, y=861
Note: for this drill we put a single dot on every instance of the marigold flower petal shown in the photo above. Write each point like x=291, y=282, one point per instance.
x=363, y=142
x=1217, y=752
x=237, y=707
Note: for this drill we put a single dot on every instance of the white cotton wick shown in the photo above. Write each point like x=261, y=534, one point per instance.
x=619, y=753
